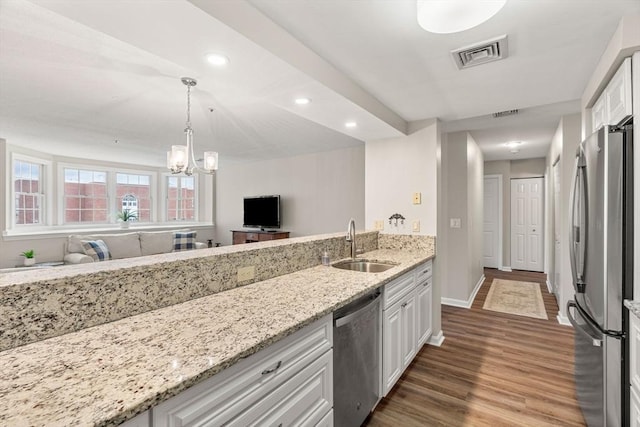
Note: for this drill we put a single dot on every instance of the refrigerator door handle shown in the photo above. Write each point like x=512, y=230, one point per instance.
x=596, y=341
x=584, y=315
x=578, y=221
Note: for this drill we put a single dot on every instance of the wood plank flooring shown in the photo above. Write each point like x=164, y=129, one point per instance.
x=493, y=369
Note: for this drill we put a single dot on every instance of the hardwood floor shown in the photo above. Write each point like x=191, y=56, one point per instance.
x=493, y=369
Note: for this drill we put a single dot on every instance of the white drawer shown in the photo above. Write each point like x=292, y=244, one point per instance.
x=302, y=401
x=424, y=272
x=327, y=420
x=224, y=396
x=394, y=291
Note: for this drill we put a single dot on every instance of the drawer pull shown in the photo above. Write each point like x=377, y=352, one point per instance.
x=269, y=371
x=404, y=305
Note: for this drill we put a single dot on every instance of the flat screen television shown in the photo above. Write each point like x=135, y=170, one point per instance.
x=262, y=212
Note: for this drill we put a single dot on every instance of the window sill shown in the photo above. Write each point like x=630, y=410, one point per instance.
x=64, y=231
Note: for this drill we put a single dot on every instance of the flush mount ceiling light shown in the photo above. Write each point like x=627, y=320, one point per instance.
x=302, y=101
x=217, y=59
x=514, y=146
x=452, y=16
x=351, y=125
x=181, y=158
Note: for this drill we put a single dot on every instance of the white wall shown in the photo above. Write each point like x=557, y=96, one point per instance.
x=563, y=146
x=461, y=196
x=527, y=168
x=319, y=192
x=395, y=169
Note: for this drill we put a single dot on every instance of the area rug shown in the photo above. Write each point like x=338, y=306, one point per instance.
x=521, y=298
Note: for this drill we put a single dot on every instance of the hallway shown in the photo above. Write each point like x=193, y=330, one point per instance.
x=493, y=369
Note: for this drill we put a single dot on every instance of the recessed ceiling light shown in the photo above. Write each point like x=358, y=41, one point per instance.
x=302, y=101
x=513, y=144
x=350, y=124
x=452, y=16
x=217, y=59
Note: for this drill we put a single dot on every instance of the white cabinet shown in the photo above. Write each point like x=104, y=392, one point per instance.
x=289, y=382
x=398, y=328
x=142, y=420
x=424, y=299
x=615, y=104
x=634, y=370
x=634, y=408
x=406, y=322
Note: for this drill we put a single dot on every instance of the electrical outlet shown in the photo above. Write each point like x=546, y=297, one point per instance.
x=378, y=225
x=416, y=226
x=417, y=198
x=246, y=273
x=454, y=223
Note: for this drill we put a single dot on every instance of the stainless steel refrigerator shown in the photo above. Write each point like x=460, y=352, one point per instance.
x=601, y=262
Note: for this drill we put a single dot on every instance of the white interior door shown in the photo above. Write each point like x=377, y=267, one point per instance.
x=492, y=237
x=527, y=220
x=556, y=228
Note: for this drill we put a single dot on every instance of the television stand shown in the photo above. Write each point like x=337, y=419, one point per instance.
x=243, y=236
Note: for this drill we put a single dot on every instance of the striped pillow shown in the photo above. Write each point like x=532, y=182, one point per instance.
x=96, y=249
x=184, y=241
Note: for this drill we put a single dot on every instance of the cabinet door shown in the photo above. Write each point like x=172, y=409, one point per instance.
x=598, y=112
x=634, y=355
x=409, y=331
x=634, y=409
x=618, y=94
x=392, y=346
x=142, y=420
x=424, y=312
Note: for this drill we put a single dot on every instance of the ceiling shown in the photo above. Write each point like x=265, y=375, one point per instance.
x=101, y=79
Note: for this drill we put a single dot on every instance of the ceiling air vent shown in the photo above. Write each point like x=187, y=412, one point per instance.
x=504, y=113
x=481, y=53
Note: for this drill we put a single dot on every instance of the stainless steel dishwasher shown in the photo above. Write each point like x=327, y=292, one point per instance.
x=356, y=364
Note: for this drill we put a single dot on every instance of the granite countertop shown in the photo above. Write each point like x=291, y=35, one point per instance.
x=633, y=306
x=107, y=374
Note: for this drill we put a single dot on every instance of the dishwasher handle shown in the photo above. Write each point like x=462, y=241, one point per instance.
x=341, y=321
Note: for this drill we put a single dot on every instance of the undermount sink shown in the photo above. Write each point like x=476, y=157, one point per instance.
x=364, y=265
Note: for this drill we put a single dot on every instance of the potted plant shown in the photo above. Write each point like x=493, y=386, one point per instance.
x=126, y=216
x=29, y=257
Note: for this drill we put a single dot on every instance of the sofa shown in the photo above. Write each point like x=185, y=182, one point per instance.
x=81, y=249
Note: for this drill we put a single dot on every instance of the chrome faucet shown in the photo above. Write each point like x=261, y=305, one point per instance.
x=351, y=236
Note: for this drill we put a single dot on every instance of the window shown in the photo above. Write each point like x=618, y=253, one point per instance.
x=28, y=192
x=85, y=196
x=133, y=193
x=181, y=197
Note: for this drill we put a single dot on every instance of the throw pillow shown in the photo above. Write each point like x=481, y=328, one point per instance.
x=96, y=249
x=184, y=241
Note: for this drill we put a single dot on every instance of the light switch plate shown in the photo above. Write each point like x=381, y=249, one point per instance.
x=378, y=225
x=454, y=223
x=416, y=226
x=417, y=198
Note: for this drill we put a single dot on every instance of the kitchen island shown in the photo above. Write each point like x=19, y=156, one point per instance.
x=106, y=374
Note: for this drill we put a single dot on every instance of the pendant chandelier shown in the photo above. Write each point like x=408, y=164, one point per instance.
x=181, y=158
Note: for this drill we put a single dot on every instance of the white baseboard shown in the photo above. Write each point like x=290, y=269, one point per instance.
x=549, y=287
x=505, y=268
x=462, y=303
x=436, y=339
x=563, y=320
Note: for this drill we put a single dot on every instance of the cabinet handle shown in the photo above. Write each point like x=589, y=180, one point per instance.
x=269, y=371
x=404, y=305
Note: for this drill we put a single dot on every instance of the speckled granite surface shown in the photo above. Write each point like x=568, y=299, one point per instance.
x=633, y=306
x=404, y=241
x=107, y=374
x=43, y=303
